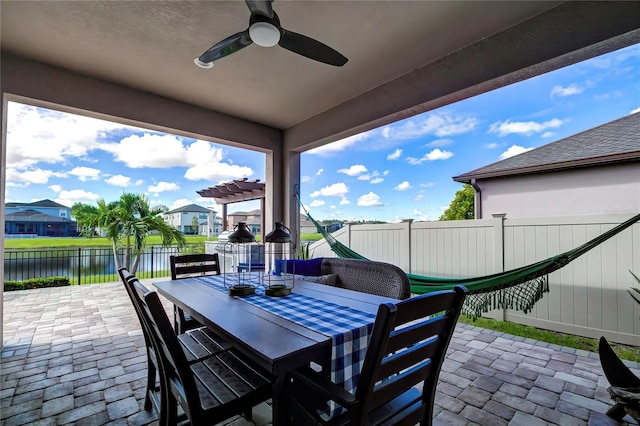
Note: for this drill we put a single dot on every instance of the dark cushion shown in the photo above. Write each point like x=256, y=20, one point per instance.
x=311, y=267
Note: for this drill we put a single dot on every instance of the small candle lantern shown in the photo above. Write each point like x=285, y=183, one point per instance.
x=245, y=275
x=278, y=279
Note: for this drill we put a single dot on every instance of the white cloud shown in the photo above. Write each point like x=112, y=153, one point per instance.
x=163, y=187
x=344, y=201
x=38, y=135
x=354, y=170
x=633, y=111
x=440, y=142
x=139, y=182
x=179, y=203
x=119, y=180
x=427, y=185
x=85, y=173
x=420, y=215
x=547, y=135
x=30, y=176
x=305, y=179
x=319, y=172
x=419, y=197
x=340, y=145
x=566, y=91
x=404, y=186
x=434, y=155
x=492, y=145
x=202, y=159
x=395, y=154
x=438, y=124
x=69, y=198
x=504, y=128
x=514, y=150
x=317, y=203
x=369, y=200
x=55, y=188
x=335, y=190
x=376, y=180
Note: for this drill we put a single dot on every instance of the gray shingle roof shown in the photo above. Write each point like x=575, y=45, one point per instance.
x=615, y=141
x=41, y=203
x=190, y=208
x=35, y=216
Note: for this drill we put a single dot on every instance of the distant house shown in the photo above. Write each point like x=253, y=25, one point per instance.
x=42, y=218
x=593, y=172
x=252, y=218
x=183, y=219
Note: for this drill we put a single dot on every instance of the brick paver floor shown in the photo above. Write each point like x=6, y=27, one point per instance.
x=76, y=355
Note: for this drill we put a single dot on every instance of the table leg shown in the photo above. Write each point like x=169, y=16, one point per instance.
x=279, y=403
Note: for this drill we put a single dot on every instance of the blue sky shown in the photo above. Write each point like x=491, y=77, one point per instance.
x=403, y=170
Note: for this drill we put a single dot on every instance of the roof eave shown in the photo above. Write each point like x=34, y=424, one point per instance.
x=564, y=165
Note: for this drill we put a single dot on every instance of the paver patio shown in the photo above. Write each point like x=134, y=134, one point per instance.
x=76, y=355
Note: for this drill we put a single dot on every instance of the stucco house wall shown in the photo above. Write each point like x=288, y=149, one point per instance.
x=592, y=172
x=611, y=189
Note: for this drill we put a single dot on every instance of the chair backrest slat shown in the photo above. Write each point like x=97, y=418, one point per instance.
x=189, y=265
x=396, y=385
x=407, y=347
x=416, y=332
x=407, y=358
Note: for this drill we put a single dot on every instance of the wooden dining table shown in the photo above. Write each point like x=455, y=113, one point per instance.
x=277, y=344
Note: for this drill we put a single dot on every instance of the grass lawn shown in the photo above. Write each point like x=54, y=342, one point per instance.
x=68, y=242
x=631, y=353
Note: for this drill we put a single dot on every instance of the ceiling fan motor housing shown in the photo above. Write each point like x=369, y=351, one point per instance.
x=264, y=31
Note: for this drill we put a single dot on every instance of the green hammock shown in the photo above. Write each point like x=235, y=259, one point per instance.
x=518, y=289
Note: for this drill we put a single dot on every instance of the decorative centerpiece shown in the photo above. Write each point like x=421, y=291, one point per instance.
x=278, y=278
x=244, y=276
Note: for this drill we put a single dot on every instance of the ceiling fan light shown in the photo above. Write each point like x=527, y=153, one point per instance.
x=264, y=34
x=201, y=64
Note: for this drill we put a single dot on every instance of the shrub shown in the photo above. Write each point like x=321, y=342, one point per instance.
x=13, y=285
x=42, y=282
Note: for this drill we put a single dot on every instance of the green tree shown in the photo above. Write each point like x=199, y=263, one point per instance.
x=195, y=224
x=126, y=222
x=462, y=206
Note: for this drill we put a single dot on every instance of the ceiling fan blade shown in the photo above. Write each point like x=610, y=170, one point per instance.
x=260, y=7
x=311, y=48
x=226, y=47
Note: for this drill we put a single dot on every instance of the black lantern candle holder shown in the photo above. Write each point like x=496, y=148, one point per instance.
x=279, y=276
x=245, y=274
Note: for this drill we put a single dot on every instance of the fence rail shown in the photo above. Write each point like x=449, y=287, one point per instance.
x=83, y=265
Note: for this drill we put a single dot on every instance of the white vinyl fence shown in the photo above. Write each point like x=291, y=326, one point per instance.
x=588, y=297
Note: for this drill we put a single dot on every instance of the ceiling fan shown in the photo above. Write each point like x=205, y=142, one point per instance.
x=265, y=30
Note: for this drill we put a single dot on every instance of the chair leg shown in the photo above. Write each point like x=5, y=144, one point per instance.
x=617, y=412
x=151, y=383
x=178, y=320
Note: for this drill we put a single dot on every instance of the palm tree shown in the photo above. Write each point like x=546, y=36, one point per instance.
x=126, y=223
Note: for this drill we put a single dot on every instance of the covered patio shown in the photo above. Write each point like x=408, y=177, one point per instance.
x=76, y=355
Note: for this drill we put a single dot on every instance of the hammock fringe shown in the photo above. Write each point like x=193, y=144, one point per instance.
x=518, y=289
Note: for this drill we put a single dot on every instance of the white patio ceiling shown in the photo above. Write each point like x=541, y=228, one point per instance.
x=405, y=57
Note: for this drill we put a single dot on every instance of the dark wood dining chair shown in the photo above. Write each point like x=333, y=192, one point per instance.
x=191, y=265
x=209, y=390
x=406, y=350
x=197, y=344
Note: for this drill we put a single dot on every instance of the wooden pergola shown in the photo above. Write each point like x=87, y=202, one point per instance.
x=236, y=191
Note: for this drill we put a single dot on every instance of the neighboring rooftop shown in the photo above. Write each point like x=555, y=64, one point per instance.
x=41, y=203
x=34, y=216
x=190, y=208
x=612, y=142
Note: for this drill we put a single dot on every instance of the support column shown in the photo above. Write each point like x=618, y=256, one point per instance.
x=3, y=159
